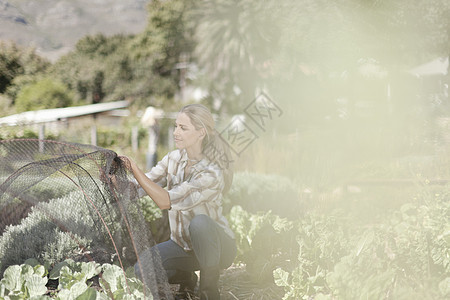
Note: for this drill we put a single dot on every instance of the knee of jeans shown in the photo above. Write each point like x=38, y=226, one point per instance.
x=199, y=223
x=137, y=271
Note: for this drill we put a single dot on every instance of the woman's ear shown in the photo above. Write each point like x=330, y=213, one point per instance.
x=202, y=133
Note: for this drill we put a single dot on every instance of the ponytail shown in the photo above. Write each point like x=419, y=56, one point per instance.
x=218, y=152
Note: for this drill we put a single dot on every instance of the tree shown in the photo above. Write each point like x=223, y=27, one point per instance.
x=16, y=61
x=45, y=93
x=93, y=70
x=235, y=42
x=9, y=68
x=97, y=88
x=247, y=44
x=141, y=68
x=160, y=47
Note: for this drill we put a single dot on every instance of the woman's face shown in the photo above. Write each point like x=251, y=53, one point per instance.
x=185, y=134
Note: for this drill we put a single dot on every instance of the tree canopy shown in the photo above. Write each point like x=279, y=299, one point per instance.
x=43, y=94
x=238, y=47
x=16, y=61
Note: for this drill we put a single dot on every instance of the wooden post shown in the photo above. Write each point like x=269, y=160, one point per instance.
x=135, y=138
x=41, y=137
x=150, y=121
x=153, y=135
x=94, y=135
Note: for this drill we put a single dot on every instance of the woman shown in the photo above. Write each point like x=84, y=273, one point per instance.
x=196, y=175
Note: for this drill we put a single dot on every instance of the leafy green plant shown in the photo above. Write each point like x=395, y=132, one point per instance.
x=252, y=232
x=107, y=137
x=45, y=93
x=149, y=209
x=321, y=241
x=24, y=133
x=74, y=282
x=157, y=220
x=24, y=282
x=72, y=278
x=404, y=255
x=290, y=281
x=121, y=285
x=38, y=236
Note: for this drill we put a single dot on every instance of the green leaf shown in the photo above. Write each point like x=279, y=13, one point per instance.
x=55, y=272
x=65, y=278
x=2, y=290
x=130, y=297
x=78, y=288
x=281, y=277
x=282, y=224
x=112, y=278
x=36, y=285
x=40, y=270
x=27, y=272
x=119, y=294
x=64, y=294
x=32, y=262
x=130, y=273
x=90, y=269
x=89, y=294
x=69, y=278
x=138, y=295
x=367, y=239
x=40, y=298
x=12, y=279
x=102, y=296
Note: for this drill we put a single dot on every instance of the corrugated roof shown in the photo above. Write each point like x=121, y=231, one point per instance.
x=55, y=114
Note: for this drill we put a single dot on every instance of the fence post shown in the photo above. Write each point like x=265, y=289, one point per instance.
x=41, y=137
x=94, y=135
x=150, y=120
x=153, y=135
x=134, y=138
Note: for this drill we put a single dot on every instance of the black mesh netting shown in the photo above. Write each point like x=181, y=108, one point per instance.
x=62, y=200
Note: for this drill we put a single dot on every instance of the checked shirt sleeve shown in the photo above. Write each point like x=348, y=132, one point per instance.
x=204, y=186
x=158, y=174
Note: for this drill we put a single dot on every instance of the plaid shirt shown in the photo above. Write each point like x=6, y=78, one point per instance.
x=199, y=193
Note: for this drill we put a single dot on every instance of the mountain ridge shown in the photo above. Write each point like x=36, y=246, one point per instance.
x=54, y=26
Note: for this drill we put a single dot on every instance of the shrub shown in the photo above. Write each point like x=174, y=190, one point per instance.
x=52, y=187
x=43, y=94
x=263, y=192
x=39, y=237
x=253, y=231
x=403, y=256
x=73, y=227
x=157, y=219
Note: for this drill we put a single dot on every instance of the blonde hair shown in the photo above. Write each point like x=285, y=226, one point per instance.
x=213, y=146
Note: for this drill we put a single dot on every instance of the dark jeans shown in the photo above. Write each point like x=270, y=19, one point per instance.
x=212, y=248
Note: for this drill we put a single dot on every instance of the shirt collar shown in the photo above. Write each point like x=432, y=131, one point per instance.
x=199, y=165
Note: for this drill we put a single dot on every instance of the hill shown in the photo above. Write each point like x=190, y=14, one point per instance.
x=54, y=26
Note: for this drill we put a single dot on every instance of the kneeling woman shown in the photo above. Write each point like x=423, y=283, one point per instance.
x=200, y=237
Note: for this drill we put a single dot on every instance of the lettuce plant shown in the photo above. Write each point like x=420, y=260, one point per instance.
x=24, y=282
x=29, y=282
